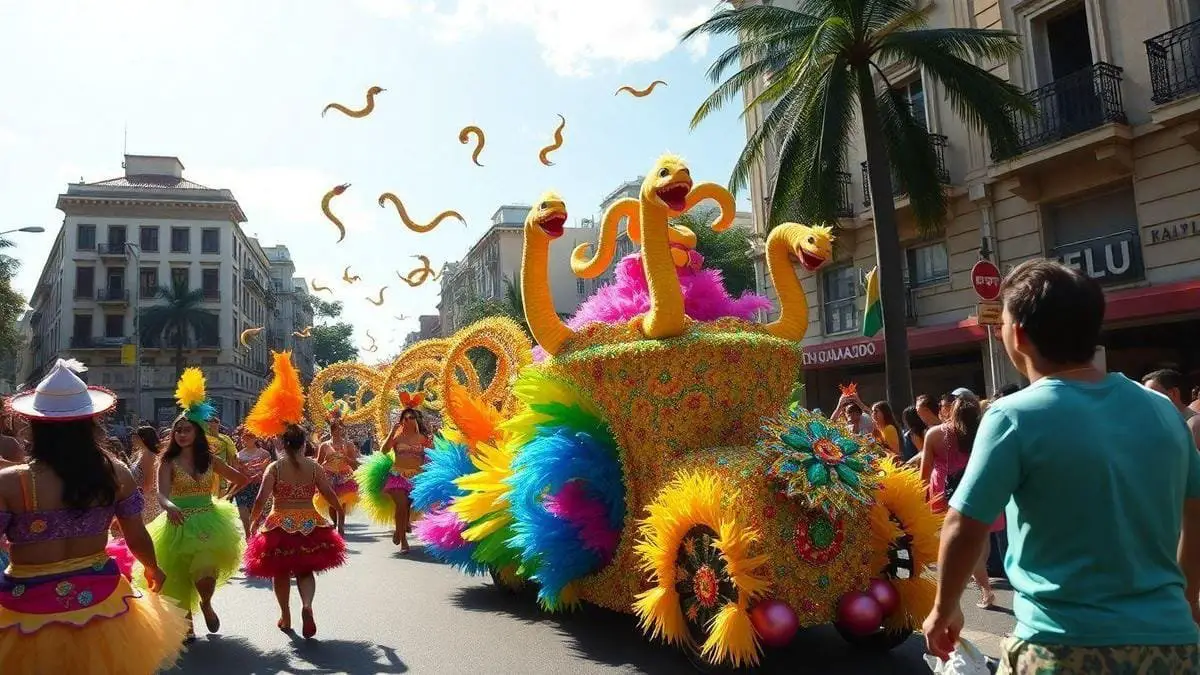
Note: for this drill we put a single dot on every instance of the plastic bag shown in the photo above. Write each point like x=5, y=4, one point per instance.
x=966, y=659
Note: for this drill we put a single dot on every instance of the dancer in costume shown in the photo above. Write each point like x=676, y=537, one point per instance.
x=197, y=538
x=295, y=541
x=64, y=606
x=339, y=457
x=386, y=480
x=254, y=459
x=144, y=466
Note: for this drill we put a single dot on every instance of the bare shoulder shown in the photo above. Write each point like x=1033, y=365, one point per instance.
x=10, y=484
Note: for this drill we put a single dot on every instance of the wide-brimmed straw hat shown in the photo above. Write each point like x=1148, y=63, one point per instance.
x=62, y=396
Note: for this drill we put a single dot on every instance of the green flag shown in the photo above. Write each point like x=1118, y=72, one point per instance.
x=873, y=310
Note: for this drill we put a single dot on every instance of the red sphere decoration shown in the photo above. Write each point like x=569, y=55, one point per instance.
x=885, y=594
x=775, y=622
x=859, y=613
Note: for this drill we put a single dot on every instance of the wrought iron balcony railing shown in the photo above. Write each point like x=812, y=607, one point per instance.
x=1174, y=60
x=1070, y=105
x=938, y=142
x=111, y=248
x=845, y=201
x=112, y=295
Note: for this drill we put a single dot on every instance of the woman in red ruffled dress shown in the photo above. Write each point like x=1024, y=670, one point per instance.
x=295, y=540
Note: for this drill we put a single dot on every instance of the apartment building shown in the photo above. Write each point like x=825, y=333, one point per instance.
x=121, y=240
x=292, y=313
x=495, y=259
x=1106, y=178
x=429, y=326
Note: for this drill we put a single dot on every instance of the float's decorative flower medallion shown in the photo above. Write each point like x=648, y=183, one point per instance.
x=818, y=461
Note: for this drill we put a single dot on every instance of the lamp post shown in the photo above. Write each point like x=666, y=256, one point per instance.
x=135, y=253
x=36, y=229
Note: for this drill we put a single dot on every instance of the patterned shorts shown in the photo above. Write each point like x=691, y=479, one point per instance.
x=1025, y=658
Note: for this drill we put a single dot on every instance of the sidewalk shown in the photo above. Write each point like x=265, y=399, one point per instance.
x=987, y=627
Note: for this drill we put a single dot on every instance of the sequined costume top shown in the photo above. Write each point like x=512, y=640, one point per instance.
x=292, y=508
x=34, y=525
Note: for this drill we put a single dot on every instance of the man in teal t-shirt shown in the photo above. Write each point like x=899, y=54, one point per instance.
x=1098, y=477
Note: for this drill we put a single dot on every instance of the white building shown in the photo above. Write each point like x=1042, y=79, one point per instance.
x=496, y=257
x=121, y=240
x=293, y=311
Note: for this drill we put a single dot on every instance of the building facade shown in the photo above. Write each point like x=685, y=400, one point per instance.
x=495, y=260
x=293, y=311
x=122, y=240
x=1106, y=178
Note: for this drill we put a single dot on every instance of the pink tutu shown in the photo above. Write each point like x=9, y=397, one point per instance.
x=119, y=551
x=344, y=485
x=276, y=553
x=397, y=482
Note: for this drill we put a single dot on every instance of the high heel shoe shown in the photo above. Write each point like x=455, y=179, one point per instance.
x=987, y=598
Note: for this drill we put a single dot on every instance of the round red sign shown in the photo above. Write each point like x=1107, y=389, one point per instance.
x=985, y=278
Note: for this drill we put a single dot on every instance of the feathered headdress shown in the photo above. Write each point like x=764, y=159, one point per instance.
x=334, y=408
x=281, y=403
x=849, y=389
x=192, y=398
x=409, y=400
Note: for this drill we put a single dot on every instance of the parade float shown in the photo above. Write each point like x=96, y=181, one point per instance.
x=649, y=461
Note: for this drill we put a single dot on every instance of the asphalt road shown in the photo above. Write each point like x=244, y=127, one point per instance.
x=386, y=613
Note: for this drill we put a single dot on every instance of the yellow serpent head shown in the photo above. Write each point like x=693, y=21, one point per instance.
x=668, y=184
x=547, y=218
x=811, y=244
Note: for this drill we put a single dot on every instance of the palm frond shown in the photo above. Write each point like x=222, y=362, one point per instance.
x=913, y=160
x=963, y=43
x=734, y=85
x=807, y=187
x=879, y=14
x=750, y=20
x=752, y=152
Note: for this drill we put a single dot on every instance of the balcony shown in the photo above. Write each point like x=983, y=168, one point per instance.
x=845, y=201
x=938, y=142
x=112, y=296
x=112, y=249
x=88, y=342
x=256, y=281
x=1080, y=120
x=1174, y=60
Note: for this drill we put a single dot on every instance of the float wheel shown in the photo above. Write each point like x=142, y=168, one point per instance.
x=704, y=587
x=881, y=640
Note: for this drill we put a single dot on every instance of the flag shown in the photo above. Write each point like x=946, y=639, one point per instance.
x=873, y=310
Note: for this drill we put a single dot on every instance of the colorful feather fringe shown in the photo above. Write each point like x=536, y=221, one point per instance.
x=371, y=476
x=900, y=509
x=281, y=403
x=192, y=396
x=568, y=497
x=435, y=487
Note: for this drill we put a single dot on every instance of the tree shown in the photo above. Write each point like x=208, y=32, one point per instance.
x=12, y=305
x=334, y=342
x=820, y=63
x=179, y=317
x=726, y=251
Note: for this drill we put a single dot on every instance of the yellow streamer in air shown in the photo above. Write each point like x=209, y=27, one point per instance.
x=337, y=222
x=464, y=137
x=306, y=333
x=544, y=155
x=316, y=286
x=350, y=279
x=380, y=301
x=408, y=222
x=640, y=93
x=362, y=112
x=249, y=334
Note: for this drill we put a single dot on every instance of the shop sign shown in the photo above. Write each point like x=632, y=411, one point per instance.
x=1111, y=259
x=840, y=354
x=1173, y=232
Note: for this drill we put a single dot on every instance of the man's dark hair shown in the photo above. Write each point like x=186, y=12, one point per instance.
x=853, y=408
x=947, y=399
x=1060, y=308
x=927, y=402
x=1008, y=390
x=1166, y=378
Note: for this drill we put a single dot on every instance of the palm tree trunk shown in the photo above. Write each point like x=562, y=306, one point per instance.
x=179, y=354
x=888, y=253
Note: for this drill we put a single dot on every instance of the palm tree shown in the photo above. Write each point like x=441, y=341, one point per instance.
x=821, y=62
x=725, y=251
x=179, y=316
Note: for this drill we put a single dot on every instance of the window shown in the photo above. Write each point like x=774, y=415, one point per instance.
x=928, y=264
x=210, y=282
x=116, y=236
x=1099, y=236
x=85, y=238
x=180, y=240
x=179, y=277
x=148, y=238
x=116, y=279
x=148, y=282
x=83, y=327
x=85, y=282
x=914, y=95
x=210, y=240
x=839, y=293
x=114, y=325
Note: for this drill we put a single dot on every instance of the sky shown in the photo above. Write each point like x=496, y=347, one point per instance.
x=235, y=90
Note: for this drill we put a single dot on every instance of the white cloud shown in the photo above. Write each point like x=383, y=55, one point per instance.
x=8, y=137
x=573, y=35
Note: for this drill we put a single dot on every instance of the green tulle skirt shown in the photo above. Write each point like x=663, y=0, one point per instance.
x=209, y=543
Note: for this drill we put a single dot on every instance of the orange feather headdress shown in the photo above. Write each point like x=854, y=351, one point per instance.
x=281, y=403
x=412, y=400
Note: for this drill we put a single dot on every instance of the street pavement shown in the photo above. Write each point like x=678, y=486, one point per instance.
x=386, y=613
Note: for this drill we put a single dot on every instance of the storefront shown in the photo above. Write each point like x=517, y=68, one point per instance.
x=943, y=359
x=1154, y=327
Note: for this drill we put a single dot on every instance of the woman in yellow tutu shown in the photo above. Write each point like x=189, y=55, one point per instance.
x=64, y=605
x=339, y=457
x=198, y=540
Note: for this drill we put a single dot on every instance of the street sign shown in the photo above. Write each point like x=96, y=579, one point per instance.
x=988, y=313
x=985, y=279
